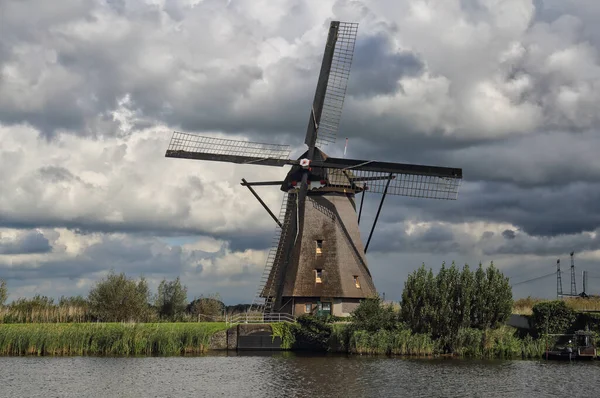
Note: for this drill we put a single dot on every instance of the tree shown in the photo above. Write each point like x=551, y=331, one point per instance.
x=171, y=300
x=120, y=299
x=372, y=315
x=465, y=296
x=442, y=324
x=207, y=308
x=443, y=304
x=414, y=299
x=553, y=317
x=3, y=292
x=478, y=302
x=498, y=297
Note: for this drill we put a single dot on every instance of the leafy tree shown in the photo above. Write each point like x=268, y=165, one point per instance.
x=171, y=299
x=452, y=305
x=372, y=315
x=498, y=297
x=414, y=299
x=464, y=297
x=73, y=301
x=552, y=317
x=120, y=299
x=207, y=308
x=452, y=300
x=442, y=324
x=431, y=299
x=3, y=292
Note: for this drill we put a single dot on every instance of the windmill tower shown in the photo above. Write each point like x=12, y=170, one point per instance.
x=317, y=261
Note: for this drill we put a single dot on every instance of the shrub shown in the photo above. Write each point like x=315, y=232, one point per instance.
x=553, y=317
x=372, y=315
x=120, y=299
x=312, y=333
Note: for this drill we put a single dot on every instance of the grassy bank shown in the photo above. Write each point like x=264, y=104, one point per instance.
x=119, y=339
x=469, y=343
x=524, y=306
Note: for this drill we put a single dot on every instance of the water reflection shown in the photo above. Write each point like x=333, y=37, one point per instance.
x=284, y=374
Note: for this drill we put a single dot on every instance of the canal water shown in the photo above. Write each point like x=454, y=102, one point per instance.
x=292, y=375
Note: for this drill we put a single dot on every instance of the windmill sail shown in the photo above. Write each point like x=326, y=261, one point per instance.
x=414, y=185
x=327, y=107
x=392, y=178
x=192, y=146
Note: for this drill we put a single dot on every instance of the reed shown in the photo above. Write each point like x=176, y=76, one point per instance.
x=106, y=339
x=25, y=313
x=469, y=343
x=524, y=306
x=396, y=342
x=582, y=304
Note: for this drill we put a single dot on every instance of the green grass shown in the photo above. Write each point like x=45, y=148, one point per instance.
x=111, y=339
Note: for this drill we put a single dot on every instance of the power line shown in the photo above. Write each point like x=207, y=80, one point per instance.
x=525, y=274
x=533, y=279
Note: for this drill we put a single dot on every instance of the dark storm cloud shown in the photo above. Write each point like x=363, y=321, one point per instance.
x=540, y=211
x=434, y=239
x=376, y=69
x=260, y=240
x=558, y=246
x=128, y=255
x=252, y=237
x=25, y=243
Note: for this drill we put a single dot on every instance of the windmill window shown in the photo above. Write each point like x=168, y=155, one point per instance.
x=356, y=282
x=308, y=308
x=319, y=247
x=318, y=275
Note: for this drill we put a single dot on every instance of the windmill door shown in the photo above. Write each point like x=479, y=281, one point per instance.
x=325, y=308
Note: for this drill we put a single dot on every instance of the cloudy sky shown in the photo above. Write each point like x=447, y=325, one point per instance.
x=90, y=91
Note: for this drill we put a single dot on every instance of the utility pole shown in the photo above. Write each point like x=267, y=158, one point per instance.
x=559, y=291
x=573, y=286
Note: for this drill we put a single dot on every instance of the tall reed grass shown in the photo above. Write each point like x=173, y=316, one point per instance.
x=44, y=314
x=400, y=342
x=469, y=343
x=524, y=306
x=111, y=339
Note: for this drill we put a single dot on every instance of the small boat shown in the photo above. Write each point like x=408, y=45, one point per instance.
x=579, y=348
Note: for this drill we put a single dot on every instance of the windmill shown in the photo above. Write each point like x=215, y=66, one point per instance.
x=317, y=261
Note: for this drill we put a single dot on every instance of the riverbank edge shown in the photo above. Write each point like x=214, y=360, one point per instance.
x=176, y=339
x=109, y=339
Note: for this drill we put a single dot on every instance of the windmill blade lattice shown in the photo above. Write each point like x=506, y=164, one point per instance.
x=337, y=83
x=192, y=146
x=414, y=185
